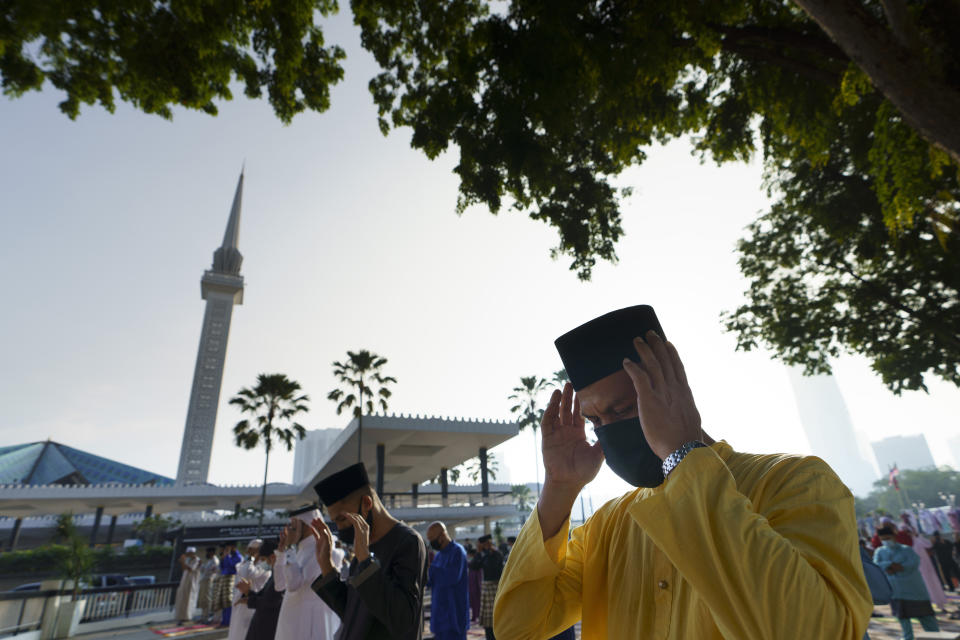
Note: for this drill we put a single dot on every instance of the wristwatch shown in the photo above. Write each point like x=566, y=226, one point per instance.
x=672, y=460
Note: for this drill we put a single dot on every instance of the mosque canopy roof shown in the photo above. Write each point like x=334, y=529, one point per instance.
x=44, y=463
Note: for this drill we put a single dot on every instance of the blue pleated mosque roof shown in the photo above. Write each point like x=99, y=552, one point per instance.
x=40, y=463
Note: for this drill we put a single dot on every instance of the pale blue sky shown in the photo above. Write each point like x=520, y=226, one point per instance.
x=350, y=241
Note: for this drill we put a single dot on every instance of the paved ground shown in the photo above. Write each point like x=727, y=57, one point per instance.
x=887, y=627
x=884, y=627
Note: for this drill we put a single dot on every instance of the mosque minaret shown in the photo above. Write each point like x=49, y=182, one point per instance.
x=222, y=287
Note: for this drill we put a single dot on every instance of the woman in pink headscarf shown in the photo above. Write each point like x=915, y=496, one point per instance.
x=930, y=578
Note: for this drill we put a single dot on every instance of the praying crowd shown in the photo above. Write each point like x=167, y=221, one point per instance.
x=709, y=543
x=918, y=568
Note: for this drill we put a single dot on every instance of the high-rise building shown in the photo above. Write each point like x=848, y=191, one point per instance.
x=907, y=452
x=954, y=445
x=829, y=430
x=222, y=287
x=308, y=454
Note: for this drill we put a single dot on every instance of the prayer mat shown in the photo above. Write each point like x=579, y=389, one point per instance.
x=175, y=631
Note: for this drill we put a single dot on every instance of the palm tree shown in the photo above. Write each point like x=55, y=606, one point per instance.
x=272, y=403
x=521, y=497
x=528, y=413
x=360, y=370
x=560, y=378
x=473, y=470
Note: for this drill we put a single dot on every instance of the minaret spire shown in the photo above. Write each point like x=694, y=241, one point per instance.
x=222, y=288
x=227, y=259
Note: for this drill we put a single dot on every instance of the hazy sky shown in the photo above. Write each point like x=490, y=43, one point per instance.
x=350, y=241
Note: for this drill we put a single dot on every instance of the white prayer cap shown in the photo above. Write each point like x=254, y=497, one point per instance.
x=256, y=542
x=307, y=513
x=191, y=550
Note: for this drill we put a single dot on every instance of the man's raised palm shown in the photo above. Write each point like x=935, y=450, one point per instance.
x=568, y=459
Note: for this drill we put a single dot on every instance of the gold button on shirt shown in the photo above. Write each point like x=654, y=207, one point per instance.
x=733, y=545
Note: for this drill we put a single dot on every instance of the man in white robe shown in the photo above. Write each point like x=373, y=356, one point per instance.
x=303, y=615
x=187, y=591
x=253, y=573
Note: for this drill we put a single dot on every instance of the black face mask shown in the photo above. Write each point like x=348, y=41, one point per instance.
x=346, y=535
x=628, y=453
x=435, y=544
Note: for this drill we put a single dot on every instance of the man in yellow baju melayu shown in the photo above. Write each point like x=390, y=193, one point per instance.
x=712, y=544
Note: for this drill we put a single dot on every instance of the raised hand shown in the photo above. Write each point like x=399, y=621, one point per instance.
x=664, y=402
x=282, y=539
x=361, y=536
x=243, y=586
x=569, y=460
x=324, y=544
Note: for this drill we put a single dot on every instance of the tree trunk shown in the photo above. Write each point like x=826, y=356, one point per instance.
x=926, y=103
x=360, y=424
x=263, y=492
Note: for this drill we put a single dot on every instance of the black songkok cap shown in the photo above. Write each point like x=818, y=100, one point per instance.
x=267, y=548
x=485, y=538
x=596, y=349
x=339, y=485
x=886, y=531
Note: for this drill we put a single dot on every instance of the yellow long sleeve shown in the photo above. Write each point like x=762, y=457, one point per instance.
x=732, y=546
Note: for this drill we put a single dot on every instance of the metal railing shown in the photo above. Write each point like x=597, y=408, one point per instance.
x=22, y=611
x=126, y=600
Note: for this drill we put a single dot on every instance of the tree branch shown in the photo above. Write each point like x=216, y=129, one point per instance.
x=906, y=32
x=927, y=103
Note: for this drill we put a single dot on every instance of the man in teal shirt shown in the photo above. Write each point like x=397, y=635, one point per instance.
x=910, y=597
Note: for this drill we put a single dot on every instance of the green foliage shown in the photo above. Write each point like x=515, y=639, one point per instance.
x=244, y=514
x=916, y=486
x=526, y=397
x=272, y=402
x=356, y=373
x=827, y=275
x=65, y=529
x=76, y=565
x=152, y=528
x=105, y=559
x=471, y=469
x=522, y=497
x=547, y=103
x=156, y=55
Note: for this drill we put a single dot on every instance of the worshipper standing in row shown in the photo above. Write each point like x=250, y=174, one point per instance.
x=447, y=579
x=490, y=563
x=712, y=544
x=928, y=572
x=910, y=598
x=383, y=596
x=264, y=602
x=304, y=615
x=476, y=582
x=252, y=572
x=187, y=591
x=209, y=571
x=902, y=535
x=949, y=570
x=224, y=585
